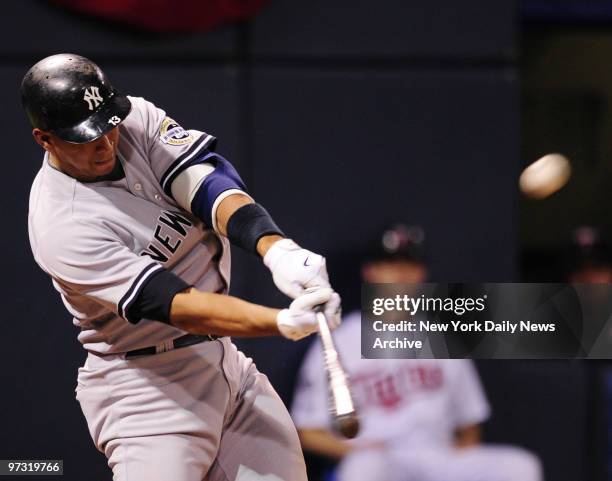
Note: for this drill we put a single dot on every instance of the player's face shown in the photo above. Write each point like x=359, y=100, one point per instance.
x=394, y=272
x=82, y=161
x=592, y=275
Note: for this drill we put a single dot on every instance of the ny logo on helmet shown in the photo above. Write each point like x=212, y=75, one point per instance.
x=92, y=97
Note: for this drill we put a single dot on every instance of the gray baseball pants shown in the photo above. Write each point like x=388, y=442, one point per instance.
x=196, y=413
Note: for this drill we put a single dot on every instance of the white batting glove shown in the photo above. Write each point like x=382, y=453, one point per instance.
x=295, y=269
x=300, y=320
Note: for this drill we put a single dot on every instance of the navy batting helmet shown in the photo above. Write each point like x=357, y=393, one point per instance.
x=70, y=96
x=397, y=241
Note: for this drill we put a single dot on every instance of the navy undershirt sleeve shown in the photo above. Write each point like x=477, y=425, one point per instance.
x=155, y=297
x=223, y=178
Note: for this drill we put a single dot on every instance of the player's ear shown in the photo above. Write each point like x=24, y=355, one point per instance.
x=42, y=138
x=367, y=272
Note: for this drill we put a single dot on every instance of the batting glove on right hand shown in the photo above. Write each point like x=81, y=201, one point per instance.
x=295, y=269
x=300, y=320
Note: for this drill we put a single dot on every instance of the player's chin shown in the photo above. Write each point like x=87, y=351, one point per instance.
x=104, y=166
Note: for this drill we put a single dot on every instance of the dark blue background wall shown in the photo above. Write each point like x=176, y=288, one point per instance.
x=340, y=116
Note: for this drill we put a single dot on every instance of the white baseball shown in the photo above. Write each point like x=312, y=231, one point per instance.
x=545, y=176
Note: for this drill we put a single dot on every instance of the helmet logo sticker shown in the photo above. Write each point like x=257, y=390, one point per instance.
x=114, y=120
x=92, y=97
x=172, y=133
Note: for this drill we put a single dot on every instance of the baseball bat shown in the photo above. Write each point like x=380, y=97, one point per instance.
x=343, y=410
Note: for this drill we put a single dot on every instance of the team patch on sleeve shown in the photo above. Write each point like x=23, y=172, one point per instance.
x=172, y=133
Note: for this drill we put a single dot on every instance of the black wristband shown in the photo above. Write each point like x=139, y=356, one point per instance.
x=249, y=224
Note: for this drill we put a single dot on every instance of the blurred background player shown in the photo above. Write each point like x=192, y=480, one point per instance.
x=419, y=418
x=589, y=260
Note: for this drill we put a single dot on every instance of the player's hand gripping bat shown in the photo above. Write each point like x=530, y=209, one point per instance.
x=341, y=400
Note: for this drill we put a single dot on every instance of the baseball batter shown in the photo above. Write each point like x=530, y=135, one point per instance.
x=131, y=215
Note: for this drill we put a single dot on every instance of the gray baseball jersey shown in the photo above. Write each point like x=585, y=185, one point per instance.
x=100, y=241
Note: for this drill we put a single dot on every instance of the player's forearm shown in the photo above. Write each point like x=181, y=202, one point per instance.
x=322, y=442
x=208, y=313
x=228, y=207
x=467, y=436
x=264, y=243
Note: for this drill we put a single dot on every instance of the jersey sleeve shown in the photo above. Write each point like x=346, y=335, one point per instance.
x=185, y=164
x=310, y=408
x=97, y=266
x=468, y=400
x=170, y=148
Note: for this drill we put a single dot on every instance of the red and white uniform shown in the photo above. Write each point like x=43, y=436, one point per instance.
x=409, y=409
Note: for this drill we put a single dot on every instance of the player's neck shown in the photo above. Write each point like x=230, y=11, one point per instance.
x=57, y=164
x=53, y=162
x=116, y=174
